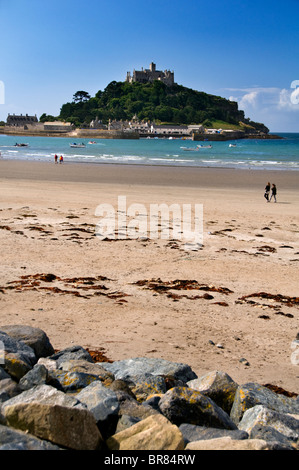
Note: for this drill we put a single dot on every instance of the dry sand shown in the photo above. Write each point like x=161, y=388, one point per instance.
x=101, y=296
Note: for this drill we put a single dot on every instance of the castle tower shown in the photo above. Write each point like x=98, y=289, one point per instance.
x=151, y=74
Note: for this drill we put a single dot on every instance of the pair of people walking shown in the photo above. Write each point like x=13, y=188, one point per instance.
x=60, y=159
x=273, y=192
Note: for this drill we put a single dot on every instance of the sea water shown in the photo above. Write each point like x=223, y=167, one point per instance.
x=281, y=154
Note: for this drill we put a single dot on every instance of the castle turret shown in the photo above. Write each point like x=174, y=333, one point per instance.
x=151, y=74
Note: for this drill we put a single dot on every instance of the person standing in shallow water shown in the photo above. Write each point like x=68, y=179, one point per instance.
x=267, y=191
x=273, y=192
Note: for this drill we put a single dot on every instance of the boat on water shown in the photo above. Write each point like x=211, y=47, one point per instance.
x=194, y=149
x=21, y=145
x=232, y=145
x=92, y=142
x=78, y=146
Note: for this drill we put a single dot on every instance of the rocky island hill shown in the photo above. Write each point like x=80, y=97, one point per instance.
x=132, y=109
x=138, y=106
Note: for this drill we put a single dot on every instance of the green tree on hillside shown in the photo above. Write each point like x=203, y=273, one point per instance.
x=81, y=96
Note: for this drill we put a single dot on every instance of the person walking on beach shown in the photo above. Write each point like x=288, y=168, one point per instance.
x=273, y=193
x=61, y=159
x=267, y=191
x=56, y=158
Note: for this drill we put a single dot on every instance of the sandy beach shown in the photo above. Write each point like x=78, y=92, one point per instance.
x=231, y=305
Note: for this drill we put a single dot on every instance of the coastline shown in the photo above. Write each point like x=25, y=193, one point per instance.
x=161, y=175
x=113, y=134
x=101, y=296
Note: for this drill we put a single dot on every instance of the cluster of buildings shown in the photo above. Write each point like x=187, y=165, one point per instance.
x=151, y=129
x=29, y=124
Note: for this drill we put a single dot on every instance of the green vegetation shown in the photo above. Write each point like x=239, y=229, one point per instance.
x=47, y=118
x=152, y=102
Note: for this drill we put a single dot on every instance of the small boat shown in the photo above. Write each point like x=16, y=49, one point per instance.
x=21, y=145
x=194, y=149
x=232, y=145
x=189, y=149
x=92, y=142
x=78, y=146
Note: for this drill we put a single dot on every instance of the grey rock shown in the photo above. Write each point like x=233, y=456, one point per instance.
x=11, y=439
x=146, y=384
x=152, y=433
x=259, y=416
x=3, y=374
x=244, y=361
x=8, y=389
x=121, y=386
x=72, y=428
x=48, y=363
x=184, y=405
x=128, y=368
x=70, y=400
x=38, y=375
x=218, y=386
x=43, y=394
x=270, y=434
x=251, y=394
x=192, y=433
x=87, y=367
x=153, y=402
x=71, y=353
x=125, y=422
x=130, y=406
x=33, y=337
x=100, y=400
x=71, y=381
x=104, y=406
x=226, y=443
x=18, y=357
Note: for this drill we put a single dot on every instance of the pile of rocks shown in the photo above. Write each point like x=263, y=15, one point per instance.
x=65, y=400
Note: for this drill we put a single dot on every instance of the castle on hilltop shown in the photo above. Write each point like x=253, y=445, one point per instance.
x=151, y=74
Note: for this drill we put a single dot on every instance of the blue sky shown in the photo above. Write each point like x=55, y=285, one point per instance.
x=246, y=51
